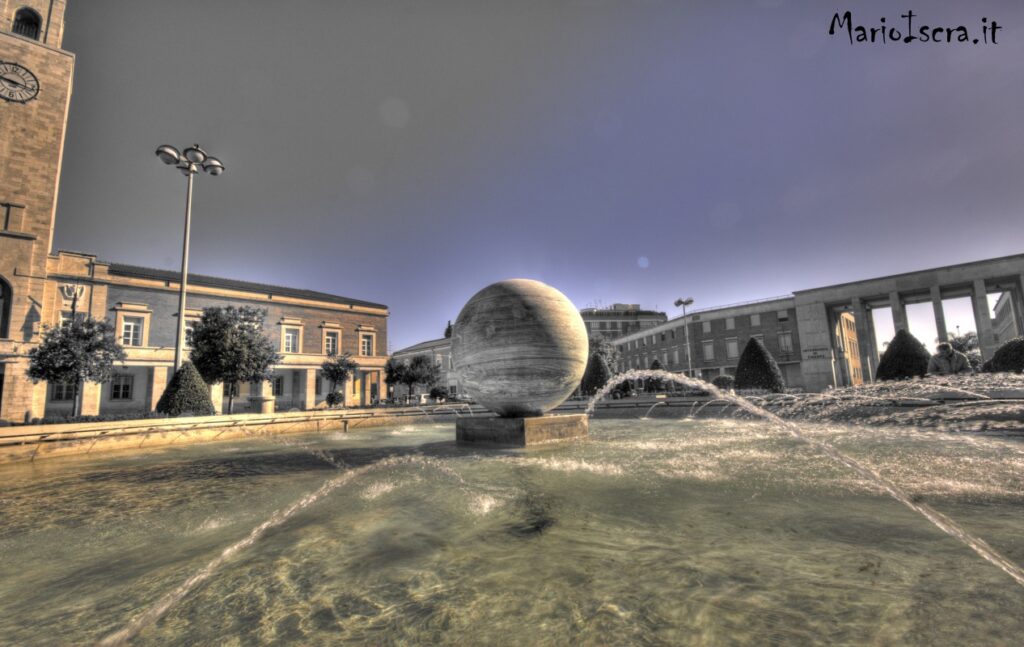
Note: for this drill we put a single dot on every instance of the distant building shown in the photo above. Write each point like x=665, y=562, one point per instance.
x=717, y=337
x=439, y=351
x=1003, y=326
x=620, y=319
x=848, y=351
x=38, y=288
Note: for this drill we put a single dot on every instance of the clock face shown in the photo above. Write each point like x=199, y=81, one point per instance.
x=17, y=83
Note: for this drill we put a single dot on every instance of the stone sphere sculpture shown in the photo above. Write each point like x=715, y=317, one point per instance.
x=519, y=347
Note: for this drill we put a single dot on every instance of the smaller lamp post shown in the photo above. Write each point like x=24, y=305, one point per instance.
x=686, y=333
x=189, y=164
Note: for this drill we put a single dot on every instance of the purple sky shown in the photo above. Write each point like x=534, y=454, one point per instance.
x=412, y=152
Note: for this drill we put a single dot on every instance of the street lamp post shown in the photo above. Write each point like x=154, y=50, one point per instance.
x=189, y=164
x=686, y=333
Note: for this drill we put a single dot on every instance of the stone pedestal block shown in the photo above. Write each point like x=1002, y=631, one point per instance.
x=521, y=432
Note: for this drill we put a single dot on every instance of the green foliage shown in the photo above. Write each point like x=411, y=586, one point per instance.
x=420, y=370
x=187, y=394
x=724, y=382
x=334, y=398
x=1009, y=358
x=904, y=358
x=81, y=349
x=654, y=384
x=596, y=375
x=338, y=369
x=393, y=370
x=757, y=369
x=228, y=345
x=624, y=388
x=606, y=349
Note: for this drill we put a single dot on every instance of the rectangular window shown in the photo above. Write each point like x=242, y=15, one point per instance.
x=730, y=323
x=675, y=356
x=131, y=331
x=662, y=336
x=121, y=387
x=62, y=392
x=331, y=343
x=755, y=319
x=319, y=385
x=732, y=348
x=291, y=340
x=785, y=342
x=709, y=350
x=672, y=333
x=279, y=385
x=366, y=345
x=783, y=315
x=706, y=327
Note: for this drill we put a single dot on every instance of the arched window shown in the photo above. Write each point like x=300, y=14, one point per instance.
x=5, y=308
x=27, y=23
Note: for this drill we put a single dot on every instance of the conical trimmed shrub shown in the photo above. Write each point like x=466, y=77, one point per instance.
x=1009, y=358
x=596, y=374
x=187, y=394
x=905, y=358
x=758, y=370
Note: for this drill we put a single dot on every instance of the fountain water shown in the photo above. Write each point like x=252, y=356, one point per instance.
x=940, y=520
x=649, y=532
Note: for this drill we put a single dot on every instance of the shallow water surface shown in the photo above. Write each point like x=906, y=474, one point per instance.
x=651, y=532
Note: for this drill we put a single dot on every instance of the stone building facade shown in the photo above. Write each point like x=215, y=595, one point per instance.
x=620, y=319
x=35, y=92
x=440, y=353
x=717, y=337
x=38, y=288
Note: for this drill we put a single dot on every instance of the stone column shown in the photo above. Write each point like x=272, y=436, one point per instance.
x=899, y=312
x=865, y=341
x=157, y=379
x=940, y=314
x=91, y=395
x=982, y=319
x=1018, y=305
x=309, y=391
x=217, y=397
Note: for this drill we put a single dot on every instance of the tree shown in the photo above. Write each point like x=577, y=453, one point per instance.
x=596, y=375
x=81, y=349
x=724, y=382
x=1009, y=358
x=439, y=393
x=393, y=372
x=338, y=369
x=420, y=370
x=606, y=349
x=904, y=358
x=187, y=393
x=757, y=369
x=228, y=345
x=655, y=384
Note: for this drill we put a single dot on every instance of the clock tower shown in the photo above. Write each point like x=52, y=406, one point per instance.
x=35, y=92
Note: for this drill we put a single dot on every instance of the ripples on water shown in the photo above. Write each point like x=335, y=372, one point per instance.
x=710, y=532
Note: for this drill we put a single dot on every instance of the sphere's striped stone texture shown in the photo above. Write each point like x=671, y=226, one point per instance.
x=520, y=347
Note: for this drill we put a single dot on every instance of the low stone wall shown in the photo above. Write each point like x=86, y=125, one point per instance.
x=33, y=442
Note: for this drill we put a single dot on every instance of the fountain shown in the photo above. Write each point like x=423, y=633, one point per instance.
x=520, y=347
x=790, y=526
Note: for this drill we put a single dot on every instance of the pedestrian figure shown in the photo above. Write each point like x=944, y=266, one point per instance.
x=947, y=361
